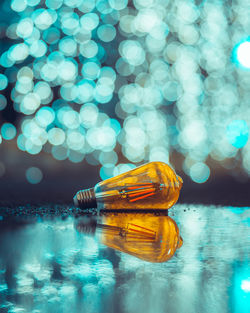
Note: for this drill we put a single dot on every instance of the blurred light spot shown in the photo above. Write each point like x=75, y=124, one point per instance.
x=89, y=49
x=75, y=140
x=30, y=103
x=49, y=71
x=245, y=285
x=67, y=70
x=18, y=52
x=6, y=60
x=51, y=35
x=243, y=54
x=199, y=172
x=38, y=49
x=122, y=168
x=45, y=116
x=19, y=5
x=25, y=75
x=54, y=4
x=76, y=156
x=118, y=4
x=21, y=142
x=68, y=46
x=90, y=70
x=70, y=23
x=113, y=123
x=56, y=136
x=85, y=90
x=103, y=138
x=132, y=52
x=25, y=28
x=146, y=20
x=123, y=68
x=31, y=147
x=87, y=6
x=108, y=158
x=159, y=154
x=34, y=175
x=43, y=90
x=88, y=115
x=69, y=91
x=237, y=133
x=106, y=32
x=3, y=81
x=60, y=153
x=89, y=21
x=171, y=91
x=193, y=134
x=106, y=171
x=42, y=18
x=3, y=102
x=8, y=131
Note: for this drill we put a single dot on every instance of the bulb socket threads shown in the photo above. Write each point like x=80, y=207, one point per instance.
x=85, y=199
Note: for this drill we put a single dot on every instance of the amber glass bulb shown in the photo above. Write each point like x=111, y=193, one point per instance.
x=146, y=236
x=151, y=186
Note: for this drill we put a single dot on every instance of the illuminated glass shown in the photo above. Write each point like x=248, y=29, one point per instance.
x=153, y=185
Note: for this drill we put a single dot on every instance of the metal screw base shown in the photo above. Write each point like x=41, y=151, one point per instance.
x=85, y=199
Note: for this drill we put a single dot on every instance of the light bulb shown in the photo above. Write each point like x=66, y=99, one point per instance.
x=146, y=236
x=151, y=186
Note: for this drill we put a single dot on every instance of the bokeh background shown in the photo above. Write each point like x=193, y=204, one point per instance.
x=90, y=89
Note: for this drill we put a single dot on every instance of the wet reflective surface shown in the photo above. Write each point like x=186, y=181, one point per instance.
x=146, y=236
x=51, y=266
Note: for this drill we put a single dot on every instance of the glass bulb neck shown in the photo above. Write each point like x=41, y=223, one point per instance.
x=85, y=199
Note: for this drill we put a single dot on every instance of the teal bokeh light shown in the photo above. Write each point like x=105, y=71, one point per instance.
x=34, y=175
x=8, y=131
x=90, y=70
x=45, y=116
x=3, y=102
x=3, y=81
x=241, y=54
x=106, y=33
x=237, y=133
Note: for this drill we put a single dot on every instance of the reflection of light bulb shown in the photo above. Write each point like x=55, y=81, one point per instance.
x=149, y=237
x=151, y=186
